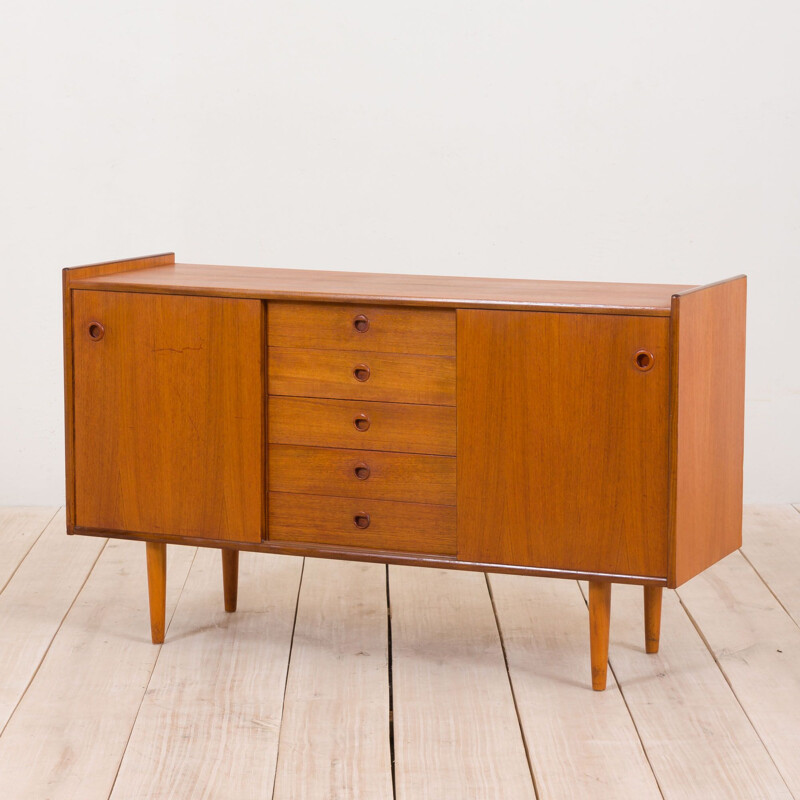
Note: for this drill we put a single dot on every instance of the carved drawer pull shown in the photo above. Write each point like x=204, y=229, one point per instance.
x=361, y=520
x=361, y=471
x=361, y=323
x=643, y=359
x=361, y=422
x=96, y=331
x=361, y=372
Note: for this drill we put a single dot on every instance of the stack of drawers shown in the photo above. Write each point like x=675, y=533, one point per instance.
x=362, y=426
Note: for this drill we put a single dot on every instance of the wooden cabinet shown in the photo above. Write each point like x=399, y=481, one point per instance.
x=542, y=428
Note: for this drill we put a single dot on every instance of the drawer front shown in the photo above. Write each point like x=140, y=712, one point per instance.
x=364, y=474
x=360, y=375
x=373, y=524
x=363, y=425
x=385, y=329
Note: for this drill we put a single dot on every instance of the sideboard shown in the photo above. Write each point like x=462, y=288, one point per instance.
x=543, y=428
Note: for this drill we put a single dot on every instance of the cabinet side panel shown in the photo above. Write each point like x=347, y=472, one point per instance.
x=708, y=348
x=105, y=268
x=69, y=415
x=169, y=415
x=562, y=442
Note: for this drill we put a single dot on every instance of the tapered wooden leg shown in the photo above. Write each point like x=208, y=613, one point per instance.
x=157, y=588
x=230, y=578
x=599, y=617
x=652, y=617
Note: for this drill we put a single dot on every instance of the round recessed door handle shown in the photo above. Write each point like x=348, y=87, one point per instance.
x=643, y=360
x=361, y=471
x=361, y=520
x=96, y=331
x=361, y=372
x=361, y=422
x=361, y=323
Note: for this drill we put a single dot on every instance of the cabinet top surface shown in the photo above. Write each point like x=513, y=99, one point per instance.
x=391, y=289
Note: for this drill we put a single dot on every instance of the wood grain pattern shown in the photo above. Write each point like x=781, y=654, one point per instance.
x=413, y=527
x=579, y=748
x=157, y=588
x=599, y=616
x=34, y=603
x=562, y=462
x=456, y=733
x=708, y=354
x=387, y=330
x=74, y=721
x=386, y=289
x=391, y=377
x=20, y=528
x=68, y=276
x=168, y=415
x=389, y=476
x=397, y=427
x=698, y=740
x=334, y=740
x=209, y=723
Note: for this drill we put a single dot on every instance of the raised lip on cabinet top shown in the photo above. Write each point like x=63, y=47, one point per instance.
x=388, y=289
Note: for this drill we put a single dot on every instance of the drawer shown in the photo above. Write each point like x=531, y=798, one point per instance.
x=385, y=329
x=367, y=474
x=374, y=524
x=362, y=425
x=359, y=375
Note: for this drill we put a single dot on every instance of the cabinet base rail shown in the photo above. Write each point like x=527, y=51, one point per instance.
x=366, y=554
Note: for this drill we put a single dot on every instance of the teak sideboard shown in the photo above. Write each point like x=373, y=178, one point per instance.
x=562, y=429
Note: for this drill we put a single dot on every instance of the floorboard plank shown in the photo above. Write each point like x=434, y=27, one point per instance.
x=581, y=743
x=20, y=527
x=757, y=646
x=334, y=739
x=696, y=736
x=35, y=602
x=209, y=723
x=68, y=734
x=456, y=728
x=772, y=546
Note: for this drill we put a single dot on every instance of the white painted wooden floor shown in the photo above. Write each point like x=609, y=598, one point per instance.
x=473, y=687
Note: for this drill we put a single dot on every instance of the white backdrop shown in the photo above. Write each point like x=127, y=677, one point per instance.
x=644, y=141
